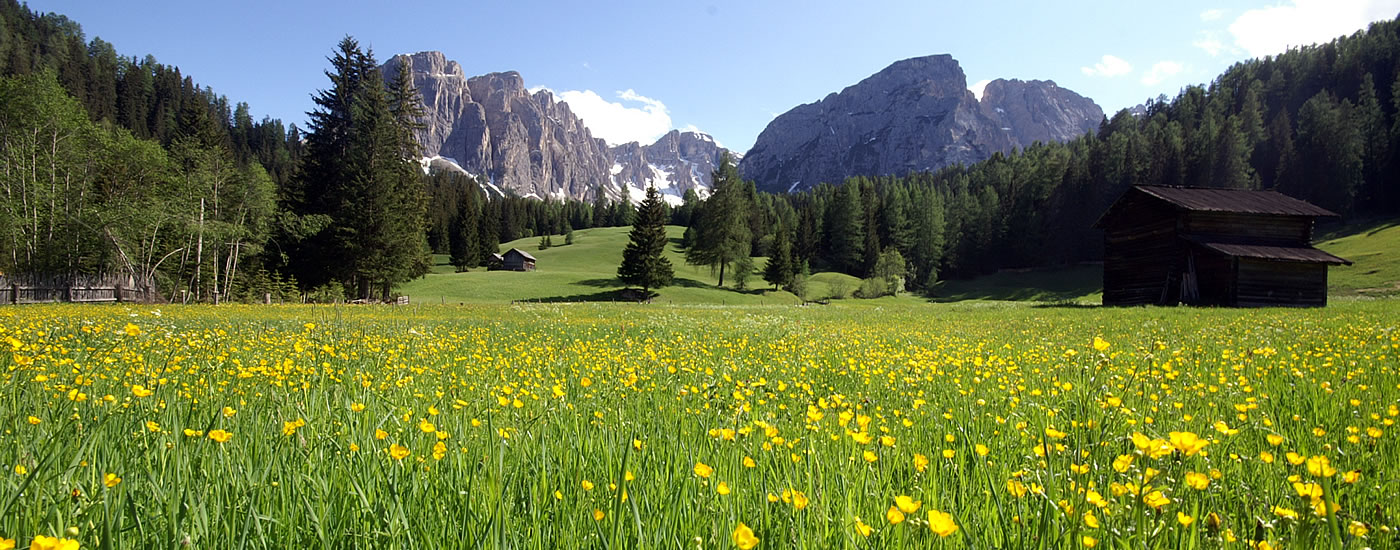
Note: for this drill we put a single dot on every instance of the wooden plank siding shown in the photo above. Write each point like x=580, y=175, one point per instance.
x=1263, y=229
x=42, y=289
x=1265, y=283
x=1219, y=247
x=1140, y=257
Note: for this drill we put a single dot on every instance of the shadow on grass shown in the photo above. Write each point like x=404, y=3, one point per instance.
x=617, y=291
x=617, y=283
x=605, y=296
x=1331, y=230
x=601, y=283
x=1055, y=286
x=1067, y=305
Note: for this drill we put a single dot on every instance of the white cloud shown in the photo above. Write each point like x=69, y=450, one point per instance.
x=1160, y=71
x=1272, y=30
x=1211, y=15
x=634, y=118
x=1109, y=66
x=1210, y=42
x=979, y=87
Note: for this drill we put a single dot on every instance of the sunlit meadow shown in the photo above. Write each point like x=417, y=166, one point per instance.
x=583, y=426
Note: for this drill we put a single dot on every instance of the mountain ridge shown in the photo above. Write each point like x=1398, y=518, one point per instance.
x=530, y=144
x=916, y=114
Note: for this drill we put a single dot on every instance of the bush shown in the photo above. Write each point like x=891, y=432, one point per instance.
x=873, y=287
x=840, y=288
x=329, y=293
x=798, y=286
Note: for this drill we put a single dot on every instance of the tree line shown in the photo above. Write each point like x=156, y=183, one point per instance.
x=1320, y=123
x=123, y=164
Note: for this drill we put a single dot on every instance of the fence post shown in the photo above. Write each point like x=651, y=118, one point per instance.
x=267, y=298
x=14, y=293
x=117, y=291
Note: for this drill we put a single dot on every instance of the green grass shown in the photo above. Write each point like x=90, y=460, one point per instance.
x=1374, y=249
x=585, y=271
x=1068, y=284
x=544, y=426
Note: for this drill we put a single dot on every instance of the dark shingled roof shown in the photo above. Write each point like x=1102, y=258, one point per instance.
x=1279, y=253
x=1234, y=200
x=522, y=253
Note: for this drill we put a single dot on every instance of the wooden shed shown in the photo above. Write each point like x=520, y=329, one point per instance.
x=1221, y=247
x=495, y=262
x=516, y=259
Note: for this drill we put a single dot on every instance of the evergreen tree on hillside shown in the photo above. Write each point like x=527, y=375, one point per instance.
x=780, y=268
x=361, y=178
x=463, y=242
x=644, y=260
x=845, y=230
x=722, y=221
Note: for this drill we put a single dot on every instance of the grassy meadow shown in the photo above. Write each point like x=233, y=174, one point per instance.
x=974, y=425
x=586, y=271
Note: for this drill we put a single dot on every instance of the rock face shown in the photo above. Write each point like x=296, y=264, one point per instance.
x=494, y=128
x=676, y=163
x=915, y=115
x=1038, y=110
x=528, y=144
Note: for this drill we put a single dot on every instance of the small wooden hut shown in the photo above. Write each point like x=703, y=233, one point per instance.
x=516, y=259
x=495, y=262
x=1220, y=247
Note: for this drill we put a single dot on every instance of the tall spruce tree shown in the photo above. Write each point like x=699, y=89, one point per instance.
x=780, y=268
x=360, y=178
x=722, y=221
x=463, y=242
x=644, y=260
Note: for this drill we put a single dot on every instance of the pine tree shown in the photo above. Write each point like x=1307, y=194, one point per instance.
x=722, y=222
x=360, y=175
x=845, y=230
x=779, y=270
x=644, y=262
x=462, y=233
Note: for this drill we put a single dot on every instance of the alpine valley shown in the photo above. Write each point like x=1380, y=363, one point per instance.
x=915, y=115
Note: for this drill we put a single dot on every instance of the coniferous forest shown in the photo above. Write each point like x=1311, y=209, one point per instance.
x=114, y=164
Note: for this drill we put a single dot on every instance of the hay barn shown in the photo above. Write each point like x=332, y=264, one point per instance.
x=516, y=259
x=1213, y=247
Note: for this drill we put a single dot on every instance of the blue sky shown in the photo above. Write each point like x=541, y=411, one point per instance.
x=633, y=70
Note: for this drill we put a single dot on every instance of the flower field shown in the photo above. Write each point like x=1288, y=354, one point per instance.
x=605, y=426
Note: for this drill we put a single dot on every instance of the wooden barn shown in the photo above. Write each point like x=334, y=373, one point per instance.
x=516, y=259
x=1218, y=247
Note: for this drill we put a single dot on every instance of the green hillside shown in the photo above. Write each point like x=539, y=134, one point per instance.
x=585, y=271
x=1374, y=249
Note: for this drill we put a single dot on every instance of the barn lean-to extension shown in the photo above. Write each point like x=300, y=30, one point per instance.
x=1222, y=247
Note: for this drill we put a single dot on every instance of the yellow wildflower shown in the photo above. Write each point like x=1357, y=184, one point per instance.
x=941, y=523
x=743, y=537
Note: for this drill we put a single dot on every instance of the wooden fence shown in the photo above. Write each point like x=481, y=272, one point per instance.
x=31, y=289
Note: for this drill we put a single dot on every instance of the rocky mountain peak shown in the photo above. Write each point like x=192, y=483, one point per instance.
x=914, y=115
x=1039, y=110
x=529, y=144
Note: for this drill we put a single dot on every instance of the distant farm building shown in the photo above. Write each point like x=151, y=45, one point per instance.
x=1220, y=247
x=495, y=262
x=516, y=259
